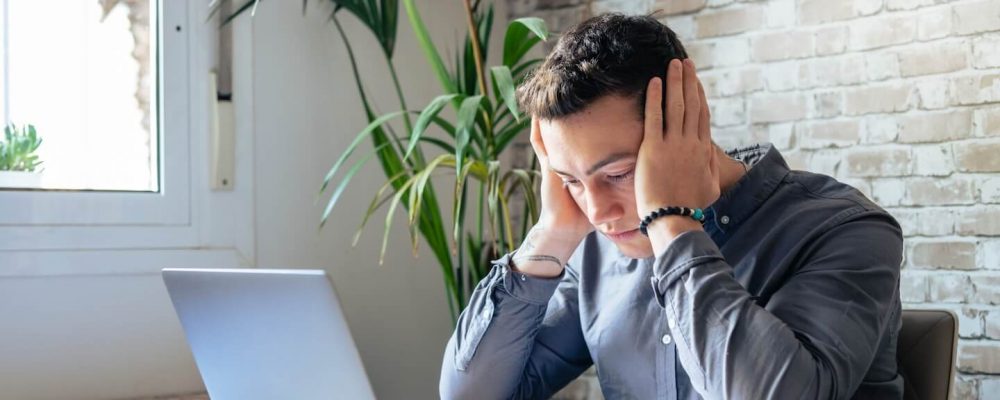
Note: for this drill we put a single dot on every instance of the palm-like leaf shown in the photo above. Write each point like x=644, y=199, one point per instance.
x=484, y=125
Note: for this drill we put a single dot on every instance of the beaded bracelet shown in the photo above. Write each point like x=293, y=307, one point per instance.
x=695, y=213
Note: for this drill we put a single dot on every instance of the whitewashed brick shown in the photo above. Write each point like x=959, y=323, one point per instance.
x=949, y=288
x=937, y=191
x=729, y=21
x=728, y=111
x=870, y=33
x=986, y=51
x=781, y=76
x=731, y=82
x=831, y=40
x=682, y=25
x=983, y=221
x=977, y=156
x=977, y=16
x=986, y=122
x=820, y=11
x=895, y=5
x=989, y=189
x=933, y=160
x=965, y=388
x=989, y=256
x=888, y=192
x=780, y=13
x=913, y=287
x=970, y=322
x=720, y=3
x=826, y=105
x=877, y=99
x=724, y=52
x=991, y=322
x=880, y=161
x=670, y=7
x=879, y=129
x=924, y=221
x=933, y=59
x=730, y=137
x=826, y=162
x=843, y=70
x=623, y=6
x=937, y=127
x=934, y=93
x=779, y=134
x=867, y=7
x=881, y=65
x=777, y=107
x=975, y=89
x=783, y=45
x=797, y=160
x=934, y=23
x=820, y=134
x=985, y=289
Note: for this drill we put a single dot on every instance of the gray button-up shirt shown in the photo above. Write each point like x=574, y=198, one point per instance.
x=791, y=292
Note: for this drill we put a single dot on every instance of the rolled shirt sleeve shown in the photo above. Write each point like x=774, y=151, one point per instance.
x=519, y=337
x=814, y=338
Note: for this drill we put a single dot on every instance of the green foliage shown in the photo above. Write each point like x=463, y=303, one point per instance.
x=17, y=149
x=483, y=128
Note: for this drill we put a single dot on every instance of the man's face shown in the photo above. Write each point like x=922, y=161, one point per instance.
x=594, y=152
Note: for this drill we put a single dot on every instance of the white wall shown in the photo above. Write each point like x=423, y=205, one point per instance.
x=83, y=312
x=306, y=111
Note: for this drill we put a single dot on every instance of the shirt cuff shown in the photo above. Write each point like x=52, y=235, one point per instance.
x=686, y=251
x=523, y=287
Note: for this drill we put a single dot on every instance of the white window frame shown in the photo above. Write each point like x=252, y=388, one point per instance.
x=171, y=206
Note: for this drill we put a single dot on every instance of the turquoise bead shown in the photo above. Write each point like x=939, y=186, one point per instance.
x=698, y=214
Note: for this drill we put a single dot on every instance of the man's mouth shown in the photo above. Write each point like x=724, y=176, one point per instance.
x=622, y=235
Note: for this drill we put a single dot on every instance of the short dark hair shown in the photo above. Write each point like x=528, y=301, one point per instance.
x=608, y=54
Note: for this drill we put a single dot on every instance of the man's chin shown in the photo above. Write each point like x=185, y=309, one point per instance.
x=637, y=248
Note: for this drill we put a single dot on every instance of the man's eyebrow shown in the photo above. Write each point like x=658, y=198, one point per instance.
x=600, y=164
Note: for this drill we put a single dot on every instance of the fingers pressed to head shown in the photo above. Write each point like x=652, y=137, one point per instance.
x=675, y=97
x=692, y=100
x=704, y=121
x=653, y=110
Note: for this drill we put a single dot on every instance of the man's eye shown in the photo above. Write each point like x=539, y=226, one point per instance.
x=570, y=182
x=621, y=177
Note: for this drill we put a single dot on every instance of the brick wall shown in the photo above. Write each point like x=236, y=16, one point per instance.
x=900, y=98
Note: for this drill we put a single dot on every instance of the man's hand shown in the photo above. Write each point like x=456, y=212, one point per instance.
x=676, y=165
x=561, y=224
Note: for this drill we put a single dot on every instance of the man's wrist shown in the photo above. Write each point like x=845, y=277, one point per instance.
x=544, y=255
x=662, y=231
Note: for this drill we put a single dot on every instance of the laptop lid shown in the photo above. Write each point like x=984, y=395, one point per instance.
x=267, y=334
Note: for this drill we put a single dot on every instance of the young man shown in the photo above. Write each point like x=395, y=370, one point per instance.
x=781, y=285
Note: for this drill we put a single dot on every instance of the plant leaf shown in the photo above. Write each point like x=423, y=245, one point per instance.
x=522, y=34
x=429, y=112
x=354, y=144
x=343, y=183
x=505, y=85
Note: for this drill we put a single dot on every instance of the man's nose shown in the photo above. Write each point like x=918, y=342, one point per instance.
x=602, y=208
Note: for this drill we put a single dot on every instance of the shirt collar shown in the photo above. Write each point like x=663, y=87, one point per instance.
x=767, y=169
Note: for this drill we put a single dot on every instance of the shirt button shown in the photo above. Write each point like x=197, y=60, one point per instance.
x=724, y=219
x=671, y=323
x=666, y=339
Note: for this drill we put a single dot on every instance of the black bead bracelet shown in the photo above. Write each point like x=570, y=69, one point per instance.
x=695, y=213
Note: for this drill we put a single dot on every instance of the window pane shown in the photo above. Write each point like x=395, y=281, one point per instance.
x=83, y=73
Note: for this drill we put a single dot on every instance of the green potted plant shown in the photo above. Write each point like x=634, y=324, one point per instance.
x=18, y=159
x=480, y=225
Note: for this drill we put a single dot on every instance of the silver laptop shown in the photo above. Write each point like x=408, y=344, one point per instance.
x=267, y=334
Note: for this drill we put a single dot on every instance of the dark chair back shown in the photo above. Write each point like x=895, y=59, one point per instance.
x=926, y=353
